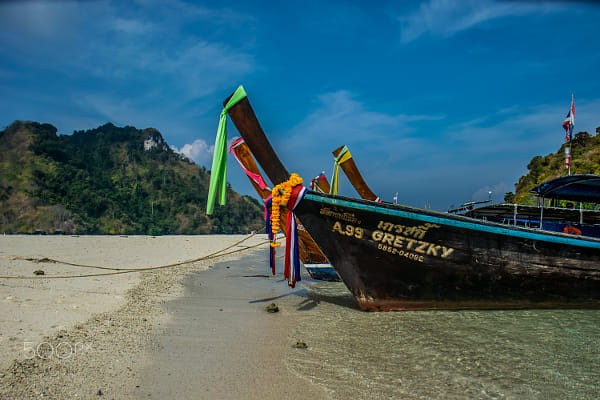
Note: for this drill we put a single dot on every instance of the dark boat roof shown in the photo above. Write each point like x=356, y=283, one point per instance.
x=579, y=187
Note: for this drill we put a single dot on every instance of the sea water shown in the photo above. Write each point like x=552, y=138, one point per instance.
x=512, y=354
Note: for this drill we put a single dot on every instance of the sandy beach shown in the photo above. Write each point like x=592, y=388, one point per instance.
x=198, y=329
x=103, y=335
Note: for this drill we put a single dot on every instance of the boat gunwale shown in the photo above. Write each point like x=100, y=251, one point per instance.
x=438, y=217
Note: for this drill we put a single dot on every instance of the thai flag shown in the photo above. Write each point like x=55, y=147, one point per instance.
x=569, y=122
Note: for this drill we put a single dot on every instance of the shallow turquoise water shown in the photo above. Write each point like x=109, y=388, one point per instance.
x=516, y=354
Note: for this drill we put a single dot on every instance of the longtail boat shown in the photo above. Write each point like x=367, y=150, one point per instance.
x=396, y=257
x=311, y=256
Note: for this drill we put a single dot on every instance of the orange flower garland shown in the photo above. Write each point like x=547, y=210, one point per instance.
x=281, y=195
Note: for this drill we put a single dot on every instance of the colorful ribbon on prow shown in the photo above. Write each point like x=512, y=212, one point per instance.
x=289, y=194
x=314, y=184
x=340, y=159
x=255, y=177
x=218, y=172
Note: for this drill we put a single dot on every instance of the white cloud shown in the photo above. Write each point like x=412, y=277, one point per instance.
x=342, y=119
x=535, y=129
x=132, y=26
x=447, y=17
x=127, y=63
x=198, y=151
x=130, y=48
x=397, y=151
x=341, y=116
x=378, y=140
x=38, y=17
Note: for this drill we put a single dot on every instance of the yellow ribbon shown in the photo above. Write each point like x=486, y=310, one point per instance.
x=340, y=159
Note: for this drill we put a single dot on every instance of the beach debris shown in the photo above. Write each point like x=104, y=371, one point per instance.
x=300, y=345
x=40, y=260
x=39, y=272
x=272, y=308
x=100, y=393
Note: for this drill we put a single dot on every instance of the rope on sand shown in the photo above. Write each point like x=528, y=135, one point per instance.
x=117, y=271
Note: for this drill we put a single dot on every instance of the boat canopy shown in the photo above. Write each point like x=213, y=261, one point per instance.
x=579, y=187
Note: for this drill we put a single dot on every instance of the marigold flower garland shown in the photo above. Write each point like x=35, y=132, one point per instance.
x=281, y=195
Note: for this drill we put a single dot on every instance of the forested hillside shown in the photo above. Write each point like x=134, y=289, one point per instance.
x=108, y=180
x=585, y=159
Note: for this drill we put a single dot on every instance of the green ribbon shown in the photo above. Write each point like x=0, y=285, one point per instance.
x=218, y=171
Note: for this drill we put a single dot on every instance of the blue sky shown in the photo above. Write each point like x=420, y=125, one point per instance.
x=439, y=100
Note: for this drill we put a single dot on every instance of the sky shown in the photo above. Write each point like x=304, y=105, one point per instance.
x=440, y=101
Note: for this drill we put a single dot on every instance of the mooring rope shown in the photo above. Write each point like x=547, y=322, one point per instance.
x=118, y=271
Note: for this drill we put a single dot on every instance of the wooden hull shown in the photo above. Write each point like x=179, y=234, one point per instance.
x=394, y=257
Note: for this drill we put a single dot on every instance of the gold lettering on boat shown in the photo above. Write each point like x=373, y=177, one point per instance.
x=421, y=247
x=388, y=238
x=348, y=230
x=418, y=232
x=404, y=246
x=401, y=245
x=344, y=216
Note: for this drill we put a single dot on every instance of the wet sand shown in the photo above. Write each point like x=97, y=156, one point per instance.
x=220, y=343
x=145, y=334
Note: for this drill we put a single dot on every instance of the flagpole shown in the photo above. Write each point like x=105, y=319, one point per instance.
x=570, y=159
x=568, y=126
x=571, y=139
